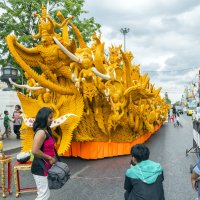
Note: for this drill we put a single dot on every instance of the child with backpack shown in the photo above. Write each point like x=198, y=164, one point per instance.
x=6, y=123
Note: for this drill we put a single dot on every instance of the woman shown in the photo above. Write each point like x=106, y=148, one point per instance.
x=17, y=120
x=43, y=149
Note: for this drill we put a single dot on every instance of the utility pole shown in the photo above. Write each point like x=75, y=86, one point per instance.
x=199, y=89
x=124, y=31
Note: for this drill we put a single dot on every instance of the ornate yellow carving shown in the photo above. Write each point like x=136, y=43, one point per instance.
x=113, y=100
x=6, y=161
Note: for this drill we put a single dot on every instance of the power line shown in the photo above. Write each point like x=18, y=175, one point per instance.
x=178, y=70
x=172, y=92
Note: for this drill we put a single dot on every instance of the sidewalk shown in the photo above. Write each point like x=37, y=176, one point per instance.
x=11, y=145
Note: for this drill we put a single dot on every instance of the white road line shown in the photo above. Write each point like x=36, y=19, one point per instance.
x=77, y=173
x=100, y=178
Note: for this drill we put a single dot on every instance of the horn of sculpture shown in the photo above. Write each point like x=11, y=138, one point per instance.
x=24, y=86
x=104, y=76
x=68, y=53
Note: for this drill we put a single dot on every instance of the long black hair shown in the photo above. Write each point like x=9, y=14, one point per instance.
x=41, y=119
x=18, y=106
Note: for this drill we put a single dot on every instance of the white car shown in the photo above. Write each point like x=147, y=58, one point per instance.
x=196, y=114
x=184, y=110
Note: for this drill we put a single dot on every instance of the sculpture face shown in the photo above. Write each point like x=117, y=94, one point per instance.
x=129, y=55
x=115, y=56
x=47, y=97
x=86, y=55
x=115, y=97
x=47, y=40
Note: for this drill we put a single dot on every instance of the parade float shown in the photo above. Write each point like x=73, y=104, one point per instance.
x=102, y=105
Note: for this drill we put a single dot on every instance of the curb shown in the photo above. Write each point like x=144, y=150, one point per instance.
x=12, y=151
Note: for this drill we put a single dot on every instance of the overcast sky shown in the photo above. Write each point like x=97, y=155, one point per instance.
x=164, y=36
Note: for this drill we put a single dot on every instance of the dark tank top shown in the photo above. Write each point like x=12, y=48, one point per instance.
x=48, y=149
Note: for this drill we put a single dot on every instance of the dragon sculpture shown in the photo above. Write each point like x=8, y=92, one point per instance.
x=94, y=98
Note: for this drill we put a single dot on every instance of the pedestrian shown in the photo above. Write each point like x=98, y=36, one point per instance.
x=17, y=116
x=195, y=178
x=6, y=123
x=144, y=179
x=174, y=111
x=178, y=120
x=43, y=149
x=172, y=118
x=168, y=115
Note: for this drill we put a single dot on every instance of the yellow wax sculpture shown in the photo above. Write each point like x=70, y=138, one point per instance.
x=111, y=100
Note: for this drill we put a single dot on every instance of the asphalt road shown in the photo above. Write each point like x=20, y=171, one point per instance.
x=103, y=179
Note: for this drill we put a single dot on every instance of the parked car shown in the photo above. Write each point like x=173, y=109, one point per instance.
x=196, y=114
x=184, y=110
x=190, y=111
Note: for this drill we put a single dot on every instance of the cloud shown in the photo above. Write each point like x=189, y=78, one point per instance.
x=164, y=37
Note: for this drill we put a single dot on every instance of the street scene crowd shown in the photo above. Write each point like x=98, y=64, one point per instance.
x=80, y=119
x=144, y=179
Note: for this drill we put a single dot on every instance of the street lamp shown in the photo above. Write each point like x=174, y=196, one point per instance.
x=124, y=31
x=9, y=72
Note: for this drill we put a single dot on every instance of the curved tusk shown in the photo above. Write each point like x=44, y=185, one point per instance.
x=24, y=86
x=104, y=76
x=114, y=74
x=74, y=78
x=15, y=84
x=68, y=53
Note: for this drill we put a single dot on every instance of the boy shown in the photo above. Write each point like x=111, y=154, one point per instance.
x=6, y=124
x=144, y=180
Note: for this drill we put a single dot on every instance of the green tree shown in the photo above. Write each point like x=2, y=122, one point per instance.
x=17, y=18
x=168, y=101
x=178, y=103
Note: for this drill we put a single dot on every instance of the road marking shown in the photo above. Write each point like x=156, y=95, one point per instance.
x=100, y=178
x=75, y=176
x=77, y=173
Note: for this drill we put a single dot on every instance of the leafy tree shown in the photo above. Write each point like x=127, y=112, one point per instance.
x=168, y=101
x=178, y=103
x=17, y=18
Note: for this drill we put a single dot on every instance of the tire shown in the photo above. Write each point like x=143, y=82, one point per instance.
x=186, y=152
x=191, y=168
